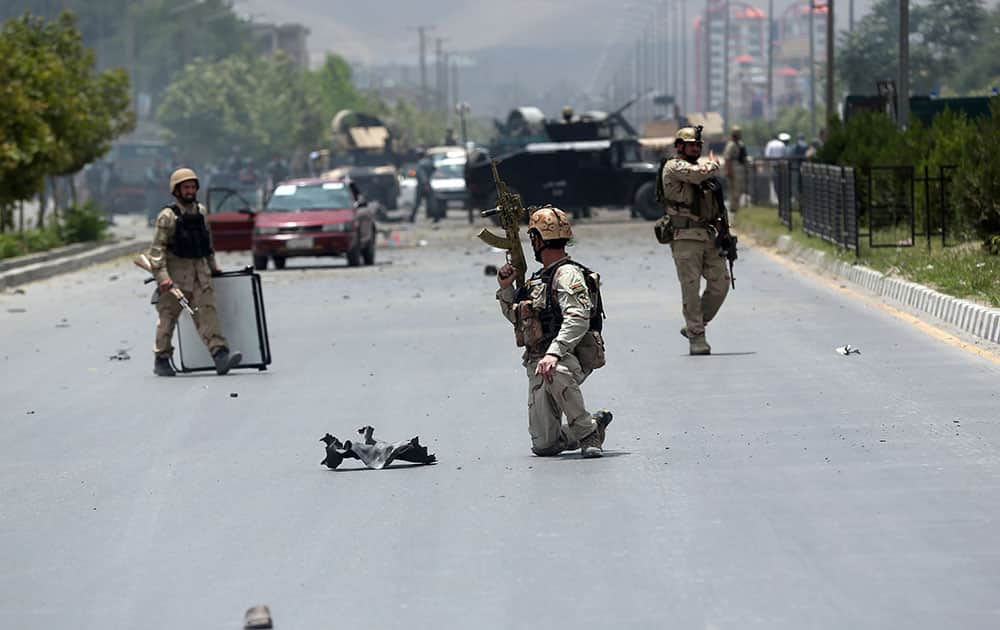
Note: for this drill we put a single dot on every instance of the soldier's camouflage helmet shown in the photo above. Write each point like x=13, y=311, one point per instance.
x=182, y=175
x=551, y=223
x=686, y=134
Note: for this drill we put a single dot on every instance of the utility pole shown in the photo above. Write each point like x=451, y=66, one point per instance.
x=708, y=55
x=725, y=68
x=770, y=61
x=454, y=84
x=812, y=67
x=422, y=34
x=439, y=81
x=850, y=16
x=682, y=40
x=903, y=80
x=675, y=56
x=830, y=74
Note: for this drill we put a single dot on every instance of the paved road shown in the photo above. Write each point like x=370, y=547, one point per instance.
x=772, y=485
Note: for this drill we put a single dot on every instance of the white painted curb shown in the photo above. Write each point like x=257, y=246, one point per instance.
x=978, y=320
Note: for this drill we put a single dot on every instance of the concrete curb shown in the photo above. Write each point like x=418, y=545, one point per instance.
x=52, y=254
x=978, y=320
x=71, y=261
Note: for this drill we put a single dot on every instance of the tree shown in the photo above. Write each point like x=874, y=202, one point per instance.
x=261, y=105
x=59, y=113
x=940, y=43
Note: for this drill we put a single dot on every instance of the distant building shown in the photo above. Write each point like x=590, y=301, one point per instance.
x=288, y=38
x=747, y=58
x=748, y=62
x=791, y=53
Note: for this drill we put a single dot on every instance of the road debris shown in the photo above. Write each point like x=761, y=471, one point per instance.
x=121, y=355
x=847, y=350
x=375, y=454
x=17, y=310
x=234, y=395
x=490, y=270
x=258, y=618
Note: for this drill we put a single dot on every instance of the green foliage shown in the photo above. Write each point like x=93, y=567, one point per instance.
x=791, y=120
x=871, y=139
x=59, y=113
x=978, y=178
x=83, y=223
x=29, y=242
x=261, y=105
x=940, y=44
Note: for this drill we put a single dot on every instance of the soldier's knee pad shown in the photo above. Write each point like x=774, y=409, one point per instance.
x=547, y=451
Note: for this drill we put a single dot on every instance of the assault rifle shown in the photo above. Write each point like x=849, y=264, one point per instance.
x=142, y=262
x=509, y=211
x=725, y=240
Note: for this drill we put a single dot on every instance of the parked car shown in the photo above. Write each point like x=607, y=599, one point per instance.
x=302, y=217
x=448, y=183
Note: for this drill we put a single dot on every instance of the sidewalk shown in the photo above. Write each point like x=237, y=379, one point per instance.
x=129, y=235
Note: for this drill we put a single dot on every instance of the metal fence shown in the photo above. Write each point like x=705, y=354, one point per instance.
x=829, y=204
x=775, y=182
x=900, y=205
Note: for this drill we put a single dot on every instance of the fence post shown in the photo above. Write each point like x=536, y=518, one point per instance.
x=927, y=205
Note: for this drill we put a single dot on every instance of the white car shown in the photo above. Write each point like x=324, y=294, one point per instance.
x=448, y=183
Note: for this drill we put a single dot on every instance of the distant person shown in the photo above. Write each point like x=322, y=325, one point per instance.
x=449, y=137
x=800, y=147
x=735, y=155
x=277, y=170
x=153, y=193
x=776, y=149
x=425, y=192
x=568, y=115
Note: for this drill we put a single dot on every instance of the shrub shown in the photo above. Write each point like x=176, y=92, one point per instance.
x=84, y=223
x=41, y=240
x=11, y=245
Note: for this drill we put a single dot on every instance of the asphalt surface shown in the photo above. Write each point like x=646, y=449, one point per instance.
x=775, y=484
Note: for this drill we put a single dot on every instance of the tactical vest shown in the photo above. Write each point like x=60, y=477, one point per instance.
x=551, y=317
x=191, y=236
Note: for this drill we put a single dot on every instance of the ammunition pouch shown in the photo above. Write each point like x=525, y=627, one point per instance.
x=664, y=230
x=590, y=351
x=527, y=326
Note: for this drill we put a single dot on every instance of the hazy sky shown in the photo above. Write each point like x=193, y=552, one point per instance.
x=381, y=30
x=534, y=51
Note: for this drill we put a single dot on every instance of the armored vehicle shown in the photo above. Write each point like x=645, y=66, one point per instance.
x=363, y=151
x=593, y=160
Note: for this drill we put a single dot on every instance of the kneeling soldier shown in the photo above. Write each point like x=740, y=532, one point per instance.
x=183, y=262
x=557, y=318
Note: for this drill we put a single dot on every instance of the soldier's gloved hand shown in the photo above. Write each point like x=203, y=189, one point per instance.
x=505, y=275
x=546, y=366
x=216, y=272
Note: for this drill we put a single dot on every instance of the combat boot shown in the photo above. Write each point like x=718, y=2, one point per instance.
x=685, y=333
x=224, y=361
x=698, y=345
x=592, y=446
x=162, y=367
